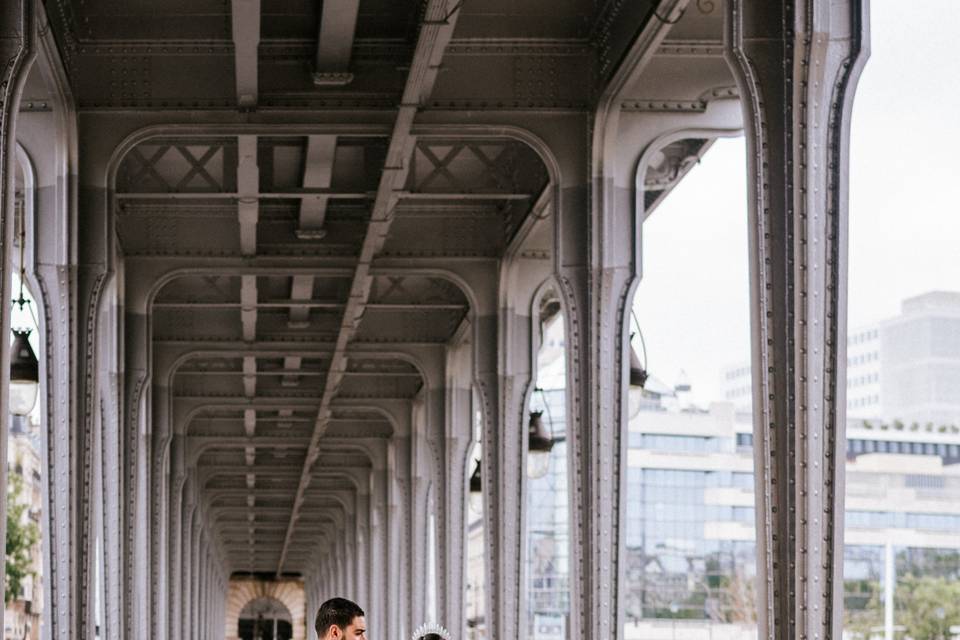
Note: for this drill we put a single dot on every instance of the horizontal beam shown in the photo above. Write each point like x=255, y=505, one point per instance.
x=309, y=373
x=216, y=494
x=241, y=442
x=219, y=195
x=273, y=471
x=313, y=304
x=329, y=193
x=277, y=337
x=260, y=419
x=248, y=402
x=265, y=403
x=421, y=195
x=218, y=513
x=237, y=525
x=303, y=373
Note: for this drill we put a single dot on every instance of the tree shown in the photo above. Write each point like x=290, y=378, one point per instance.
x=863, y=609
x=927, y=607
x=22, y=535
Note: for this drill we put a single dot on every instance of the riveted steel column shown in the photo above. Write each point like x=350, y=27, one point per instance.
x=503, y=375
x=416, y=511
x=379, y=563
x=201, y=569
x=16, y=55
x=204, y=586
x=160, y=461
x=596, y=298
x=437, y=454
x=797, y=65
x=402, y=532
x=361, y=548
x=453, y=545
x=195, y=573
x=137, y=521
x=186, y=559
x=175, y=522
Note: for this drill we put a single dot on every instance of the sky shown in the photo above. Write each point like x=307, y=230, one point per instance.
x=693, y=301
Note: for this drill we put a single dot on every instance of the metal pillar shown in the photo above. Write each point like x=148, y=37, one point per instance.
x=17, y=37
x=797, y=65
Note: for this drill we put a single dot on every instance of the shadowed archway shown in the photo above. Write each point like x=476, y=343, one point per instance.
x=250, y=599
x=265, y=619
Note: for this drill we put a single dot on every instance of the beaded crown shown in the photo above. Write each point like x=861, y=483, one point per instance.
x=428, y=628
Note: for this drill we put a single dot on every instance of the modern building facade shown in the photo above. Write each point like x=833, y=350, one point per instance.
x=904, y=369
x=283, y=255
x=690, y=529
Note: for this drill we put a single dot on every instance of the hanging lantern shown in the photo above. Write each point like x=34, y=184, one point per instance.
x=638, y=375
x=476, y=490
x=24, y=374
x=24, y=368
x=638, y=372
x=539, y=446
x=476, y=481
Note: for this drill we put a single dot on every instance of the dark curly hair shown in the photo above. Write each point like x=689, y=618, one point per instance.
x=336, y=611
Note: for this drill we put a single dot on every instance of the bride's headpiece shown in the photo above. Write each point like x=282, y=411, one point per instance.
x=428, y=628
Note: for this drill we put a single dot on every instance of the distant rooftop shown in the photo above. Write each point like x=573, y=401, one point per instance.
x=932, y=300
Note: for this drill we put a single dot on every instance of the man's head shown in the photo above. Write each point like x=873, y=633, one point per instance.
x=338, y=618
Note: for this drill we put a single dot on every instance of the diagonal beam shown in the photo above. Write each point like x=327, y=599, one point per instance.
x=198, y=167
x=338, y=23
x=436, y=30
x=245, y=16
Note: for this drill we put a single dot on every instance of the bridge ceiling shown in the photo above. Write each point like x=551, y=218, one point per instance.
x=296, y=295
x=127, y=54
x=256, y=407
x=269, y=404
x=270, y=387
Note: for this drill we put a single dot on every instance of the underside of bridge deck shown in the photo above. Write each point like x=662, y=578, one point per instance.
x=291, y=258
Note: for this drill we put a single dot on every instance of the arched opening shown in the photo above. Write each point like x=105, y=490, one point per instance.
x=40, y=431
x=547, y=535
x=265, y=618
x=26, y=471
x=689, y=509
x=265, y=609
